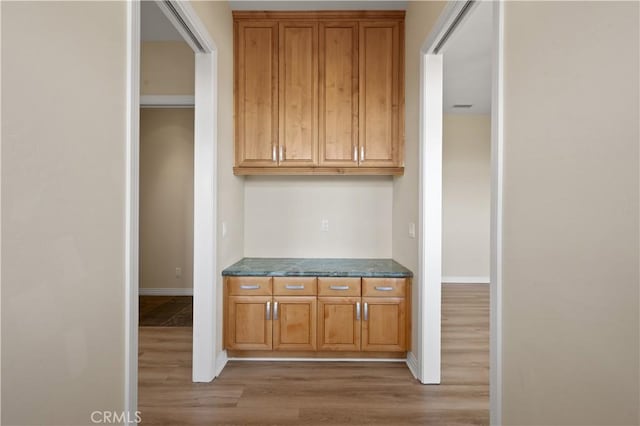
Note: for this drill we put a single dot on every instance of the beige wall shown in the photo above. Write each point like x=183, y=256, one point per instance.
x=420, y=18
x=466, y=191
x=166, y=68
x=217, y=17
x=283, y=216
x=63, y=194
x=570, y=290
x=166, y=197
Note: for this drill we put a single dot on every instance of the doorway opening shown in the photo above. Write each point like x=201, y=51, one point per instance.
x=433, y=133
x=202, y=211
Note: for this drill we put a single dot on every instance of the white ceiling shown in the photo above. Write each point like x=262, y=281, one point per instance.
x=467, y=63
x=317, y=5
x=154, y=26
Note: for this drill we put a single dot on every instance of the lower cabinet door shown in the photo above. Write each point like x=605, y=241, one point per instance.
x=339, y=323
x=249, y=322
x=294, y=323
x=384, y=324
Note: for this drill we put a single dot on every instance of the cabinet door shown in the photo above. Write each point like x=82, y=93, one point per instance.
x=249, y=322
x=338, y=94
x=384, y=324
x=294, y=323
x=339, y=323
x=380, y=74
x=256, y=97
x=298, y=94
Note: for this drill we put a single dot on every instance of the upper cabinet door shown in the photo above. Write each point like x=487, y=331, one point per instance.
x=338, y=97
x=298, y=94
x=380, y=83
x=256, y=98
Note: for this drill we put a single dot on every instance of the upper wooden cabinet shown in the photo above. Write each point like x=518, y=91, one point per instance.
x=298, y=142
x=256, y=93
x=319, y=92
x=338, y=58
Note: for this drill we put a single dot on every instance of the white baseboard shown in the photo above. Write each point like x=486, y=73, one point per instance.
x=321, y=359
x=165, y=292
x=221, y=361
x=412, y=363
x=465, y=280
x=167, y=101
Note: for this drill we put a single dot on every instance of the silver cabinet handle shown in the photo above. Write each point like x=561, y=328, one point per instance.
x=268, y=312
x=275, y=310
x=273, y=154
x=294, y=287
x=357, y=311
x=339, y=287
x=281, y=153
x=366, y=311
x=250, y=287
x=384, y=288
x=362, y=153
x=355, y=153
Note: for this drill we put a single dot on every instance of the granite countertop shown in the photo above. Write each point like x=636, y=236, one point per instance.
x=300, y=267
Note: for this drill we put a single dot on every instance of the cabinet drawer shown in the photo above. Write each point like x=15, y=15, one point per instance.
x=295, y=286
x=250, y=286
x=336, y=286
x=383, y=287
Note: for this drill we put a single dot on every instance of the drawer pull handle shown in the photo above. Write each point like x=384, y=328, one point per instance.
x=294, y=287
x=384, y=288
x=250, y=287
x=339, y=287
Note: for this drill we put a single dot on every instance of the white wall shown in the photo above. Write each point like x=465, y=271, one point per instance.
x=283, y=216
x=571, y=324
x=166, y=197
x=466, y=195
x=63, y=210
x=216, y=16
x=167, y=68
x=420, y=18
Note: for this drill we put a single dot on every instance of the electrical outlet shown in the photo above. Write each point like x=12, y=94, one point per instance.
x=324, y=225
x=178, y=272
x=412, y=230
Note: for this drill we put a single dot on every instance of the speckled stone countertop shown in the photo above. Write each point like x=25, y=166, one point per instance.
x=292, y=267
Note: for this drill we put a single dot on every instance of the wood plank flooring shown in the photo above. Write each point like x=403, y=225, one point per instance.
x=318, y=393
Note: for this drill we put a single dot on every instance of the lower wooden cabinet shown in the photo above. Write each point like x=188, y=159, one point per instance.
x=339, y=323
x=384, y=324
x=372, y=316
x=294, y=323
x=249, y=322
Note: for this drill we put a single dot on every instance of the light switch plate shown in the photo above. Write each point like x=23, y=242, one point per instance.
x=412, y=230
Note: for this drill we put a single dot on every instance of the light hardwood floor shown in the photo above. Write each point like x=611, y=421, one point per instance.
x=315, y=393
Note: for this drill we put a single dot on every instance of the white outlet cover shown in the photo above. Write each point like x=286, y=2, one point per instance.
x=324, y=225
x=412, y=230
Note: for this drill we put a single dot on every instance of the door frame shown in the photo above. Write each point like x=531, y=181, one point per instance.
x=430, y=204
x=185, y=19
